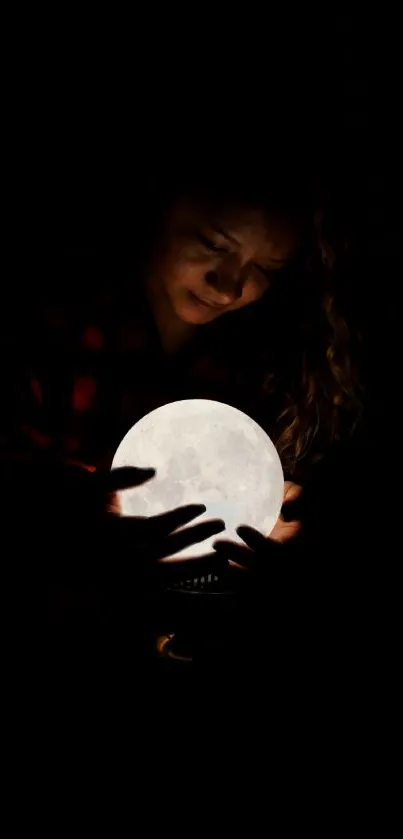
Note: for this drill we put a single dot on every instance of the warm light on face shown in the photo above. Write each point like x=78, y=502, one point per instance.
x=223, y=258
x=204, y=452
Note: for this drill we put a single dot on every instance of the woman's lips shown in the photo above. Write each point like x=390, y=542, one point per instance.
x=204, y=302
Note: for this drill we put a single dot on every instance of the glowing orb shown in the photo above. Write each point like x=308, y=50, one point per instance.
x=204, y=452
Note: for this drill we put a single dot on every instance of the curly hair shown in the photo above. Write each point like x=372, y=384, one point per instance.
x=316, y=388
x=312, y=387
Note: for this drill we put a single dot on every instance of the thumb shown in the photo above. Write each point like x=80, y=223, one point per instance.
x=293, y=503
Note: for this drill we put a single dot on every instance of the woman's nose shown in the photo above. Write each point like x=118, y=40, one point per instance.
x=227, y=288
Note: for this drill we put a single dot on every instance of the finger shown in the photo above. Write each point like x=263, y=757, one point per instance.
x=237, y=553
x=293, y=502
x=254, y=540
x=123, y=478
x=292, y=510
x=113, y=505
x=156, y=526
x=189, y=536
x=292, y=491
x=166, y=523
x=284, y=531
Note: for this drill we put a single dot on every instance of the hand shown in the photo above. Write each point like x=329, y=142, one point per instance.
x=157, y=537
x=68, y=521
x=258, y=548
x=286, y=529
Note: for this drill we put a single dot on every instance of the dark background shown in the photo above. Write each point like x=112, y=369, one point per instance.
x=124, y=108
x=181, y=93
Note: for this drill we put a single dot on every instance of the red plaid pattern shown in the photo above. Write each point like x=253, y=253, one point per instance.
x=80, y=376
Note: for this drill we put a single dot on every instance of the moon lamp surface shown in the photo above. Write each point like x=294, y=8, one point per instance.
x=208, y=453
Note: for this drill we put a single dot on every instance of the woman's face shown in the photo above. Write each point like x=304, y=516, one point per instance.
x=212, y=263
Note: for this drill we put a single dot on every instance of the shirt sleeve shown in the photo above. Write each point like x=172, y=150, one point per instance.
x=42, y=392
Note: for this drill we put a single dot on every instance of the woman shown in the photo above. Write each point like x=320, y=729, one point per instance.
x=234, y=300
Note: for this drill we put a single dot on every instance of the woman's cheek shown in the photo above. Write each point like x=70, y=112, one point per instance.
x=177, y=272
x=189, y=275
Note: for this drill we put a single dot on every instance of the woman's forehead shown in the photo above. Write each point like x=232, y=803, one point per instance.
x=229, y=216
x=243, y=224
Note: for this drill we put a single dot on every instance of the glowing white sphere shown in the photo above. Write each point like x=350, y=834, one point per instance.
x=208, y=453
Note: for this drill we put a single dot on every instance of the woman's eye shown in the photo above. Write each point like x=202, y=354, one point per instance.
x=210, y=246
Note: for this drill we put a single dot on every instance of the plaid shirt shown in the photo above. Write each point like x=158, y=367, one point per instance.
x=77, y=377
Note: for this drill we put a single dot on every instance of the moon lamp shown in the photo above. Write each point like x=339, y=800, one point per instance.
x=205, y=452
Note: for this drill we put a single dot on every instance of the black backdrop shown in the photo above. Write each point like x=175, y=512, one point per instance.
x=332, y=80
